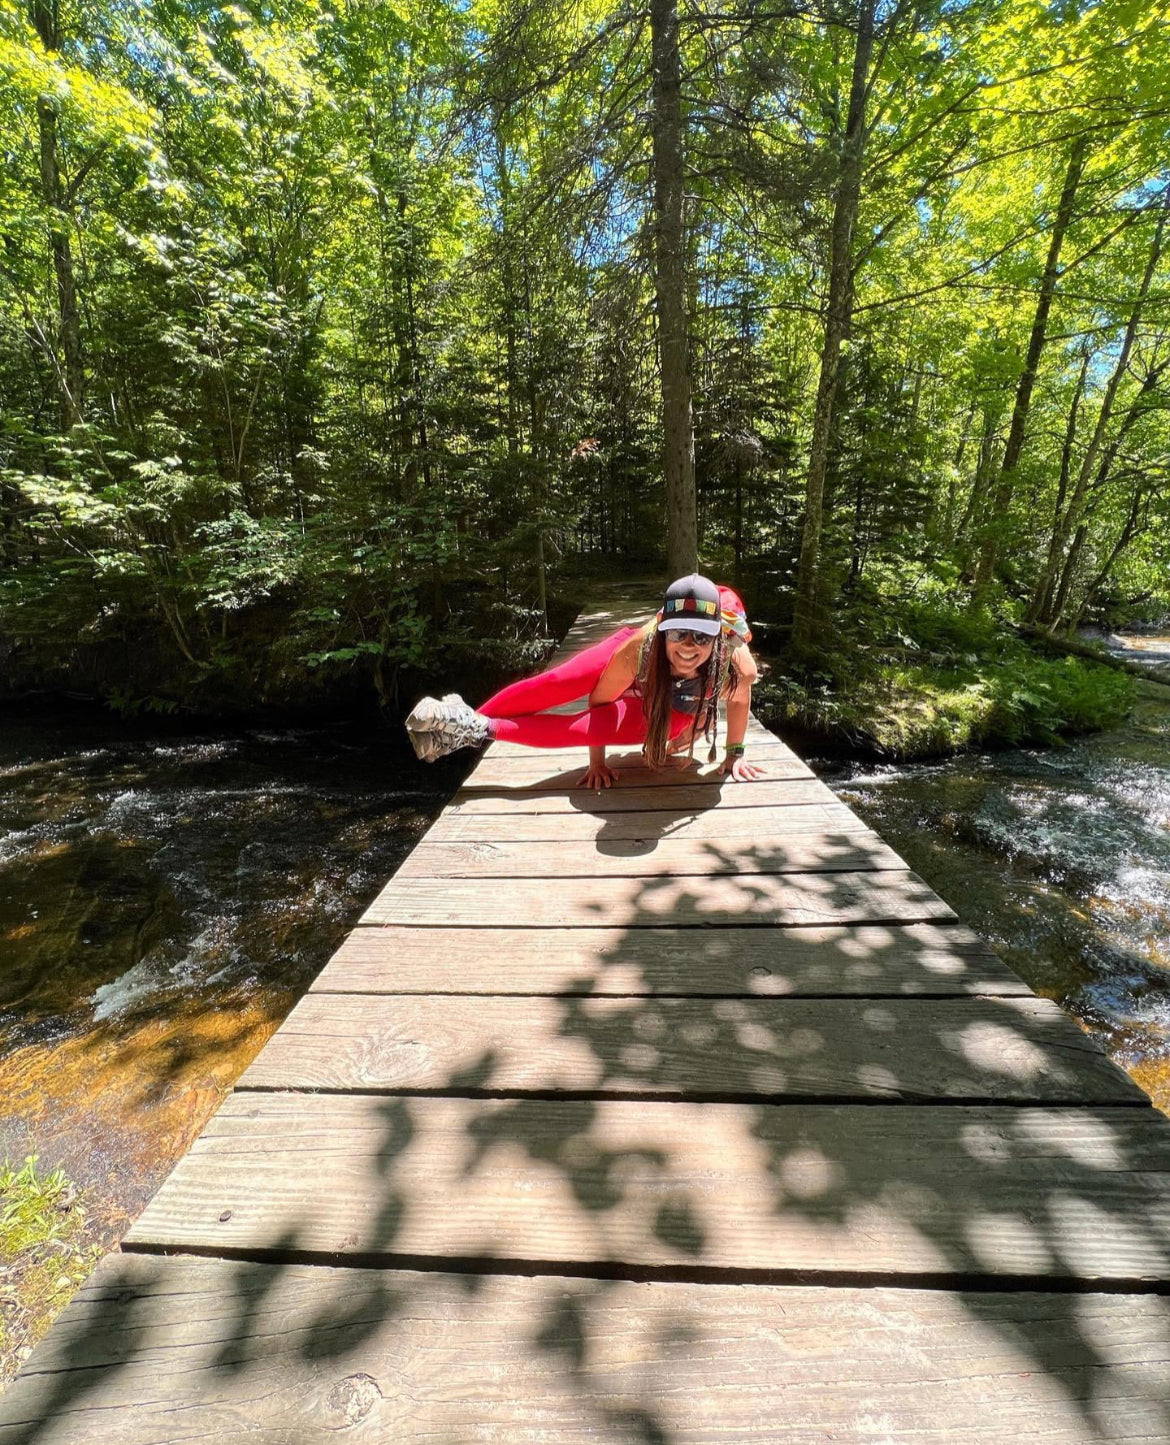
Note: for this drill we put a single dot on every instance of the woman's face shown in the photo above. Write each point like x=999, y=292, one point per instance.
x=686, y=652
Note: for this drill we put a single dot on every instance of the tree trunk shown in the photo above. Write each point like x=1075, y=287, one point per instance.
x=1070, y=571
x=1072, y=648
x=1041, y=605
x=979, y=484
x=512, y=370
x=682, y=546
x=1128, y=532
x=944, y=531
x=71, y=371
x=1015, y=442
x=737, y=575
x=840, y=310
x=1071, y=515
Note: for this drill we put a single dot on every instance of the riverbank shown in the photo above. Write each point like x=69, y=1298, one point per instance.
x=272, y=668
x=946, y=683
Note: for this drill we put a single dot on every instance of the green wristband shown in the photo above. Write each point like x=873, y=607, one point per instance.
x=735, y=750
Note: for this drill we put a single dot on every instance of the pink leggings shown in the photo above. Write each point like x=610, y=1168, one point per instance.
x=614, y=723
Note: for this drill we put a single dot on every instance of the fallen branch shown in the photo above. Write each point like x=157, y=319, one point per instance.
x=1082, y=649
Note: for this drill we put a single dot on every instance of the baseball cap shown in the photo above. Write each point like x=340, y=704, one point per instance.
x=692, y=602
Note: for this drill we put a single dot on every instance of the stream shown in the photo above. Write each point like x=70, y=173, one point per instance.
x=167, y=893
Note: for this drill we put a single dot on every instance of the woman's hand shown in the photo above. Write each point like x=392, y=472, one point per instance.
x=741, y=770
x=598, y=776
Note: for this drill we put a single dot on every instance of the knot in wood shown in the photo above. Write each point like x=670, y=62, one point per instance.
x=350, y=1401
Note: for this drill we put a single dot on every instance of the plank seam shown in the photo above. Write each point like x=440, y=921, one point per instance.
x=879, y=920
x=670, y=1274
x=854, y=998
x=785, y=1100
x=684, y=872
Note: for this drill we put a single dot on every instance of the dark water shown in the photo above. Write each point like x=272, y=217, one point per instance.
x=1060, y=858
x=165, y=897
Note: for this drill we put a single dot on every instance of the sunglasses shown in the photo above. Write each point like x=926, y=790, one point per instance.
x=682, y=634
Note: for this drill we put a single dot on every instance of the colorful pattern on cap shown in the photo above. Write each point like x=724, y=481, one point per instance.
x=689, y=604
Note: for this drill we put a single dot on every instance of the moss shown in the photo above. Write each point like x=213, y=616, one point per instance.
x=45, y=1254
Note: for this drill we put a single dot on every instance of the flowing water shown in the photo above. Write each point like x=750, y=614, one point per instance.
x=1060, y=858
x=165, y=898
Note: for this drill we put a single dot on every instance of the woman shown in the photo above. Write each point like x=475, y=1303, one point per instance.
x=658, y=685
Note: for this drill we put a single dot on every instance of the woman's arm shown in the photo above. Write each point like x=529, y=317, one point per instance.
x=744, y=663
x=739, y=704
x=620, y=672
x=618, y=677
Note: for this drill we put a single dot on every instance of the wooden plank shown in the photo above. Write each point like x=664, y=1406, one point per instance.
x=759, y=740
x=669, y=857
x=563, y=767
x=233, y=1352
x=507, y=778
x=877, y=1190
x=1026, y=1050
x=757, y=899
x=714, y=823
x=858, y=959
x=681, y=798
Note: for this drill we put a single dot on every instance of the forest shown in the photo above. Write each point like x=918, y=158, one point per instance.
x=342, y=341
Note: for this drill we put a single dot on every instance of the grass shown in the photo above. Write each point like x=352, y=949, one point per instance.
x=45, y=1254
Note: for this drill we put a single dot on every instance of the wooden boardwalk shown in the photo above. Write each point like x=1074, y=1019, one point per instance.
x=682, y=1112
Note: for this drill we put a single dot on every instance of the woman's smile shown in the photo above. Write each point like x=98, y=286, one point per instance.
x=686, y=658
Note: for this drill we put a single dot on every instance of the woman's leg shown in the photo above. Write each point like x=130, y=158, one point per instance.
x=567, y=682
x=614, y=724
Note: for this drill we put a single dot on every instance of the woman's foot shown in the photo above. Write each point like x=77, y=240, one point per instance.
x=440, y=726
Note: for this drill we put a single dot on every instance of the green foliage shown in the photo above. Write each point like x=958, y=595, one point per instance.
x=365, y=327
x=44, y=1256
x=920, y=676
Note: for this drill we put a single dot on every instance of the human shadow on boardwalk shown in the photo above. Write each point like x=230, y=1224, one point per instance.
x=954, y=1155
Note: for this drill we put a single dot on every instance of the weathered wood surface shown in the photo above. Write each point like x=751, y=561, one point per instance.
x=762, y=824
x=758, y=899
x=669, y=857
x=509, y=762
x=858, y=959
x=992, y=1049
x=230, y=1352
x=660, y=797
x=685, y=1031
x=513, y=760
x=565, y=775
x=951, y=1193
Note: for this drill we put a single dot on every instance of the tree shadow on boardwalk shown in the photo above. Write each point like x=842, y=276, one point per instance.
x=538, y=1267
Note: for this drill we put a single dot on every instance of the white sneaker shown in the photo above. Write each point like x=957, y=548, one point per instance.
x=437, y=728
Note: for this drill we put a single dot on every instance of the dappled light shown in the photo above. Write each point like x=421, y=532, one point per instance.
x=643, y=1154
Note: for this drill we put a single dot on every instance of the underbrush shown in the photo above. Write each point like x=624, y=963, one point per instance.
x=927, y=677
